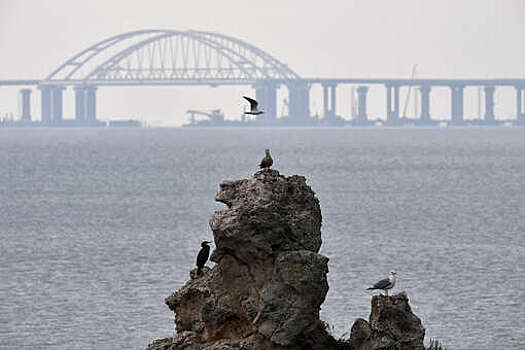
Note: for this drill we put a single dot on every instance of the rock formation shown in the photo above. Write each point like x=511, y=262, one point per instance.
x=268, y=283
x=391, y=326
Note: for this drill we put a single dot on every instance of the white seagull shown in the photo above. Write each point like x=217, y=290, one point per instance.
x=253, y=106
x=387, y=283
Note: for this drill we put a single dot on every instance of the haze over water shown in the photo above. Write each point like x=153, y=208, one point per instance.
x=98, y=226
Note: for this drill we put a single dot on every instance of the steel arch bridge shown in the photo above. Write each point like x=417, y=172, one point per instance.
x=170, y=57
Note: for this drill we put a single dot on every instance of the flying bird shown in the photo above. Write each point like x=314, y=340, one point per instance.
x=387, y=283
x=203, y=256
x=253, y=106
x=267, y=161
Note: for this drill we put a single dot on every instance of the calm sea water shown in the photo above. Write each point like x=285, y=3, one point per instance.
x=98, y=226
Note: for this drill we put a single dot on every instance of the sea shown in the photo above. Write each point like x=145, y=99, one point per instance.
x=98, y=226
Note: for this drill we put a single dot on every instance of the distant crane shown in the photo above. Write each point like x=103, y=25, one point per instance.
x=412, y=76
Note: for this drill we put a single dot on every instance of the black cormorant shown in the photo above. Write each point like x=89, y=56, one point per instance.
x=203, y=256
x=267, y=161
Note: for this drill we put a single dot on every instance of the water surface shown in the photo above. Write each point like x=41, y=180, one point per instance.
x=97, y=226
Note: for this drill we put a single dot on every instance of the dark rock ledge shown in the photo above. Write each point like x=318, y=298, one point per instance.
x=269, y=281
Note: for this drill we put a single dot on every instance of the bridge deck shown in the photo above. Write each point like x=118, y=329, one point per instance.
x=326, y=81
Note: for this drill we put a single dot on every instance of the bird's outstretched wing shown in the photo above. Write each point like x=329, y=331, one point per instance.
x=253, y=103
x=381, y=284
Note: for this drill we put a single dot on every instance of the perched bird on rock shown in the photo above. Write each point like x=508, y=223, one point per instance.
x=203, y=256
x=267, y=161
x=387, y=283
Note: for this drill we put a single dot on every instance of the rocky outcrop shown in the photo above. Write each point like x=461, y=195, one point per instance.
x=269, y=281
x=267, y=286
x=392, y=326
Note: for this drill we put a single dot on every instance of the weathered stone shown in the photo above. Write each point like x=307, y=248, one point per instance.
x=266, y=214
x=188, y=302
x=290, y=302
x=360, y=335
x=394, y=326
x=161, y=344
x=185, y=341
x=204, y=271
x=268, y=284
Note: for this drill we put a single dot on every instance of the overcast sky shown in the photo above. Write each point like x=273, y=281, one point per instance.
x=449, y=39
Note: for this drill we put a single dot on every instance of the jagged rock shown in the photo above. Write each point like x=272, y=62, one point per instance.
x=268, y=284
x=204, y=271
x=392, y=326
x=184, y=341
x=267, y=213
x=290, y=302
x=360, y=335
x=161, y=344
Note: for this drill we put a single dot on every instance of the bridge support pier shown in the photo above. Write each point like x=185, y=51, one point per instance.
x=332, y=101
x=57, y=109
x=51, y=104
x=329, y=101
x=392, y=113
x=299, y=103
x=520, y=101
x=80, y=103
x=362, y=117
x=457, y=104
x=424, y=117
x=46, y=93
x=91, y=103
x=266, y=95
x=489, y=105
x=25, y=100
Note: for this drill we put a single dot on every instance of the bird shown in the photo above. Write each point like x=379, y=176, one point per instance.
x=386, y=284
x=203, y=256
x=267, y=161
x=253, y=106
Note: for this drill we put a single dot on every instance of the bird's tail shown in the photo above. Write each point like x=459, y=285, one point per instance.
x=370, y=288
x=199, y=271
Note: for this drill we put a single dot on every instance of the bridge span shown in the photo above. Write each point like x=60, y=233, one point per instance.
x=173, y=57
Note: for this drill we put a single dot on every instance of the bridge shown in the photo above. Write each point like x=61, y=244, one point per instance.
x=174, y=57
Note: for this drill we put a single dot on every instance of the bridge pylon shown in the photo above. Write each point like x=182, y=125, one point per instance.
x=362, y=117
x=456, y=104
x=520, y=102
x=52, y=110
x=392, y=111
x=266, y=95
x=489, y=105
x=25, y=100
x=299, y=102
x=424, y=117
x=329, y=101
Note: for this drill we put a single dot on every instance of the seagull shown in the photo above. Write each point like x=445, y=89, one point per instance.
x=267, y=161
x=387, y=283
x=203, y=256
x=253, y=106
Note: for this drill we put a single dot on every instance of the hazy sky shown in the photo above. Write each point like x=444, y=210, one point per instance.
x=470, y=38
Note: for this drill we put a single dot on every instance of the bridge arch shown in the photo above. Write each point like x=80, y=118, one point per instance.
x=171, y=57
